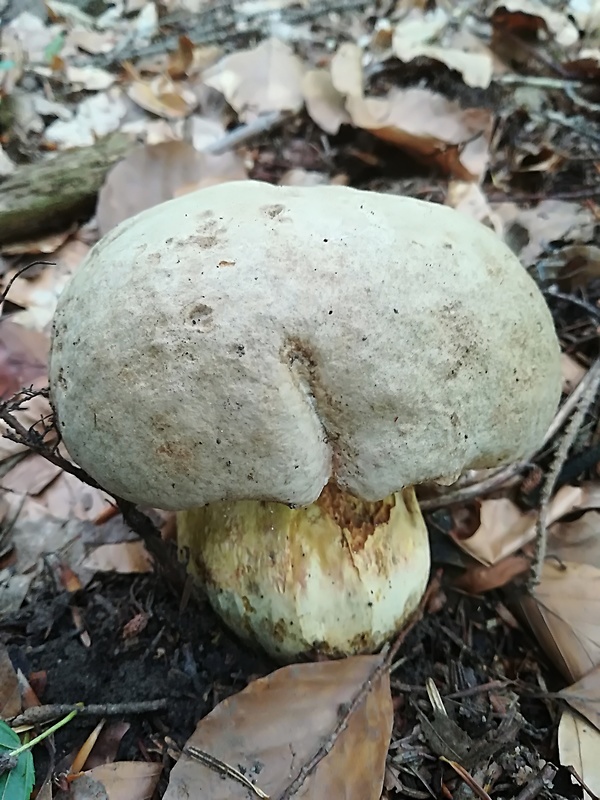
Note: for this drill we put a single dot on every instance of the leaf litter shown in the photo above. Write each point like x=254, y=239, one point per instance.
x=488, y=109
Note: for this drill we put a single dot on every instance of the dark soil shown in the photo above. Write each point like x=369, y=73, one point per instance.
x=189, y=660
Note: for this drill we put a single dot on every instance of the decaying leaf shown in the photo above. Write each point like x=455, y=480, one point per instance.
x=578, y=747
x=325, y=105
x=572, y=373
x=535, y=15
x=10, y=696
x=123, y=558
x=265, y=78
x=479, y=579
x=417, y=35
x=430, y=127
x=96, y=116
x=531, y=230
x=564, y=614
x=123, y=780
x=23, y=357
x=151, y=174
x=163, y=97
x=276, y=725
x=584, y=696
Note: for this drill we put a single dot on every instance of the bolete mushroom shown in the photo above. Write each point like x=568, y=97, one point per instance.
x=283, y=365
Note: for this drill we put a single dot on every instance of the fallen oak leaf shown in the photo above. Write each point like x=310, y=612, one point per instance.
x=251, y=733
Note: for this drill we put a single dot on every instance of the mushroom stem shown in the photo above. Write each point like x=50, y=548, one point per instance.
x=336, y=578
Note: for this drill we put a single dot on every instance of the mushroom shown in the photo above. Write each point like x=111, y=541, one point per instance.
x=282, y=366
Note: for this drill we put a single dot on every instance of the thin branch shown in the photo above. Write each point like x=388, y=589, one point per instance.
x=38, y=715
x=586, y=399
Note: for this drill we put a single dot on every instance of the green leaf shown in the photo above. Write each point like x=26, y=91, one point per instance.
x=54, y=47
x=8, y=738
x=18, y=782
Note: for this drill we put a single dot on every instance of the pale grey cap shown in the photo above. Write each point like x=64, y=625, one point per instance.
x=248, y=341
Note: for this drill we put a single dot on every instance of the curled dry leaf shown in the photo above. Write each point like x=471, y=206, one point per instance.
x=23, y=357
x=96, y=116
x=413, y=120
x=346, y=70
x=535, y=15
x=151, y=174
x=468, y=198
x=265, y=78
x=564, y=614
x=324, y=104
x=274, y=727
x=572, y=373
x=416, y=36
x=548, y=221
x=584, y=696
x=123, y=780
x=123, y=558
x=10, y=696
x=479, y=579
x=163, y=97
x=578, y=747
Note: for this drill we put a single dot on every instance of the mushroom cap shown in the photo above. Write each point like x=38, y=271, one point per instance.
x=249, y=341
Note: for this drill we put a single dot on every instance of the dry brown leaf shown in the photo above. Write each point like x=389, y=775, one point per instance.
x=182, y=59
x=123, y=780
x=479, y=579
x=107, y=745
x=163, y=97
x=572, y=373
x=302, y=177
x=324, y=104
x=47, y=244
x=346, y=70
x=581, y=264
x=92, y=79
x=413, y=119
x=526, y=15
x=33, y=411
x=274, y=726
x=10, y=696
x=151, y=174
x=548, y=221
x=503, y=529
x=30, y=476
x=468, y=198
x=564, y=614
x=96, y=116
x=39, y=294
x=265, y=78
x=90, y=41
x=68, y=498
x=415, y=37
x=23, y=357
x=122, y=558
x=578, y=747
x=584, y=696
x=577, y=541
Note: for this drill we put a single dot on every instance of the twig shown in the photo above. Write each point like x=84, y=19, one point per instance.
x=582, y=783
x=18, y=274
x=593, y=311
x=542, y=780
x=38, y=715
x=586, y=399
x=467, y=778
x=375, y=676
x=585, y=193
x=243, y=133
x=223, y=769
x=539, y=81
